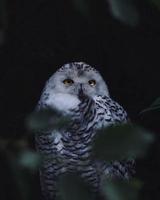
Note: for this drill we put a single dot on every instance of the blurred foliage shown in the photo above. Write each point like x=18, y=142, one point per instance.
x=71, y=187
x=82, y=6
x=46, y=119
x=21, y=165
x=122, y=141
x=29, y=159
x=125, y=11
x=155, y=106
x=112, y=143
x=121, y=190
x=157, y=3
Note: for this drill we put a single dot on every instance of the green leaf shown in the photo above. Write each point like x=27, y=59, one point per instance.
x=22, y=176
x=155, y=106
x=157, y=3
x=29, y=160
x=125, y=11
x=121, y=189
x=121, y=141
x=156, y=102
x=71, y=187
x=46, y=120
x=82, y=6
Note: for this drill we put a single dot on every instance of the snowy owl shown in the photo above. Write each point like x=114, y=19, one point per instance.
x=78, y=90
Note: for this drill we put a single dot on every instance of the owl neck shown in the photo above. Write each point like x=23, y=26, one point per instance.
x=83, y=119
x=63, y=102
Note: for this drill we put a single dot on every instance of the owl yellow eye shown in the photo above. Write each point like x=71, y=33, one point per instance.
x=92, y=82
x=68, y=81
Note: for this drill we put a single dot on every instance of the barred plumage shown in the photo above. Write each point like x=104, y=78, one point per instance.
x=70, y=150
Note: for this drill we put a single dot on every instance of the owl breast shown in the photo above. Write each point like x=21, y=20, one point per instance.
x=63, y=102
x=71, y=148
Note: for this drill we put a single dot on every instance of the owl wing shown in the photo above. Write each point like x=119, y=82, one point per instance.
x=119, y=115
x=115, y=114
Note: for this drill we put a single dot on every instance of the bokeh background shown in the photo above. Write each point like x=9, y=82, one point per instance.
x=37, y=37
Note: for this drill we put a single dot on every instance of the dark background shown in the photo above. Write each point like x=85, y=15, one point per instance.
x=41, y=36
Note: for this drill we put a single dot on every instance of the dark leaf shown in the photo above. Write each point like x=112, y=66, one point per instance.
x=22, y=176
x=82, y=6
x=156, y=102
x=71, y=187
x=157, y=3
x=125, y=11
x=121, y=190
x=29, y=160
x=46, y=120
x=155, y=106
x=121, y=141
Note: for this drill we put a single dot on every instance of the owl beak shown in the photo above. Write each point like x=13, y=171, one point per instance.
x=80, y=91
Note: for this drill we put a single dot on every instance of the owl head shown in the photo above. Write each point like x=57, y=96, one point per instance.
x=72, y=81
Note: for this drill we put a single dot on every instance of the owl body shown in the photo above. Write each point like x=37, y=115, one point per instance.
x=79, y=91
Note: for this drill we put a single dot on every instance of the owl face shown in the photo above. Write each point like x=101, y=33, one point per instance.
x=79, y=79
x=66, y=88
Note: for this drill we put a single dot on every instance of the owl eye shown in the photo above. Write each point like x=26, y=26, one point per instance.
x=92, y=82
x=68, y=81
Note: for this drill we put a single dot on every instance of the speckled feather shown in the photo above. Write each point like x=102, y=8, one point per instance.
x=70, y=150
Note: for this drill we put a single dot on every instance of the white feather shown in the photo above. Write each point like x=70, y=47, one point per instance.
x=63, y=102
